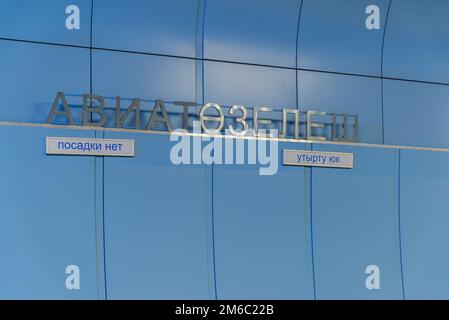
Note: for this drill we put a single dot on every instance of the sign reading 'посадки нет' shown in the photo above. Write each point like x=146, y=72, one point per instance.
x=90, y=147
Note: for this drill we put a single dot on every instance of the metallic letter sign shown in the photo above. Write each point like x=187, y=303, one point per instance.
x=292, y=124
x=90, y=147
x=318, y=159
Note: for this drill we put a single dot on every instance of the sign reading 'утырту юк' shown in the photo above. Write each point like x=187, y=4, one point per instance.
x=287, y=123
x=318, y=159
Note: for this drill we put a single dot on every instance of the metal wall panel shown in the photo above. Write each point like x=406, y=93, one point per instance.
x=424, y=223
x=416, y=114
x=252, y=31
x=355, y=225
x=417, y=41
x=344, y=94
x=262, y=232
x=31, y=76
x=333, y=36
x=252, y=86
x=157, y=236
x=45, y=21
x=47, y=217
x=142, y=76
x=155, y=26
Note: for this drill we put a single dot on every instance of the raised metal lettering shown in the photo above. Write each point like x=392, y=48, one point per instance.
x=88, y=110
x=155, y=118
x=65, y=106
x=241, y=120
x=204, y=118
x=257, y=121
x=121, y=119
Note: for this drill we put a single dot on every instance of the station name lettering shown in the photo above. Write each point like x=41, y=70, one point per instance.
x=289, y=123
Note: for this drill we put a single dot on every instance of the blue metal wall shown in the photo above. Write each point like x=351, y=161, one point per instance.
x=144, y=228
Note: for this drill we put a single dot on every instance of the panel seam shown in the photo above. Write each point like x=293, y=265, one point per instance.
x=96, y=159
x=296, y=54
x=230, y=62
x=399, y=226
x=382, y=69
x=311, y=231
x=212, y=166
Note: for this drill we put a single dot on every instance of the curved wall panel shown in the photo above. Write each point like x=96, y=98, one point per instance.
x=333, y=36
x=417, y=41
x=344, y=94
x=156, y=26
x=46, y=223
x=253, y=86
x=175, y=232
x=144, y=76
x=425, y=221
x=31, y=76
x=45, y=21
x=160, y=248
x=252, y=31
x=262, y=238
x=416, y=114
x=357, y=227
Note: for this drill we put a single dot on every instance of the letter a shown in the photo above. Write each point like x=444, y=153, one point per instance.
x=65, y=109
x=73, y=280
x=373, y=20
x=73, y=20
x=373, y=280
x=180, y=152
x=156, y=118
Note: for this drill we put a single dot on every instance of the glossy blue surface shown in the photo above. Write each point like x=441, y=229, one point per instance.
x=355, y=226
x=424, y=203
x=252, y=86
x=31, y=76
x=44, y=20
x=417, y=41
x=152, y=26
x=146, y=77
x=46, y=223
x=159, y=248
x=197, y=232
x=333, y=36
x=263, y=248
x=344, y=94
x=416, y=114
x=252, y=31
x=156, y=225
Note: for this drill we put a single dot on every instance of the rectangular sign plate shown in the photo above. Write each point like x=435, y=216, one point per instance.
x=90, y=146
x=318, y=159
